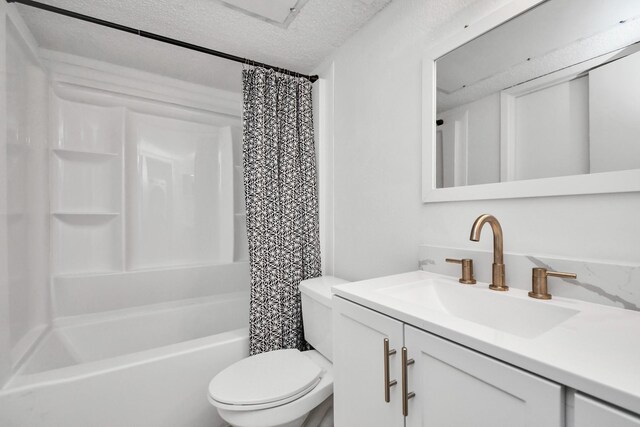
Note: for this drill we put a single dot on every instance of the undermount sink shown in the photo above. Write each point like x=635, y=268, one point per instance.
x=498, y=310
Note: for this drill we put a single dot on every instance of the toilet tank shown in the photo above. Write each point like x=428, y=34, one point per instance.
x=316, y=312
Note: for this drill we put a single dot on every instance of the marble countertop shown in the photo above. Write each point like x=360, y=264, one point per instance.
x=595, y=351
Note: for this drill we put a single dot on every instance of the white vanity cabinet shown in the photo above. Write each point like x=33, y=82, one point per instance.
x=589, y=412
x=358, y=366
x=453, y=386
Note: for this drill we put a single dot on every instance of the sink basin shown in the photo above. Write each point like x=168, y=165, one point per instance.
x=501, y=311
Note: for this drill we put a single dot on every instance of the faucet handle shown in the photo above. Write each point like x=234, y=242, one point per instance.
x=467, y=270
x=539, y=281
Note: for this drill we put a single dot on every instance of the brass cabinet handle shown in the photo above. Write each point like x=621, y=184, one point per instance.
x=406, y=395
x=387, y=382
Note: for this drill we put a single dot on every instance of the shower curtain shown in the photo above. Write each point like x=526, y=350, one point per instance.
x=281, y=202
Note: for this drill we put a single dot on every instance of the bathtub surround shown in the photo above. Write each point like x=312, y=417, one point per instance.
x=24, y=172
x=142, y=250
x=119, y=177
x=78, y=295
x=282, y=204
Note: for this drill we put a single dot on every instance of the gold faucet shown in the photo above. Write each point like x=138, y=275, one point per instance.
x=497, y=282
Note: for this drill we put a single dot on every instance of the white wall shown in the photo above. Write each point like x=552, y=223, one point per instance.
x=614, y=111
x=24, y=245
x=323, y=127
x=483, y=138
x=378, y=214
x=552, y=131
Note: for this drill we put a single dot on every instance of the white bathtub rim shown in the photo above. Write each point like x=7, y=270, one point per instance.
x=159, y=269
x=19, y=383
x=128, y=312
x=57, y=329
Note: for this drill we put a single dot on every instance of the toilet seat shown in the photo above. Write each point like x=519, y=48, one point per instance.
x=289, y=414
x=266, y=405
x=264, y=381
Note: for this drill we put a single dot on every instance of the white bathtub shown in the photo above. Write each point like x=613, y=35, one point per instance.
x=146, y=366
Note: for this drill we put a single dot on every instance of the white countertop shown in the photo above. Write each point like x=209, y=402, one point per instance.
x=596, y=351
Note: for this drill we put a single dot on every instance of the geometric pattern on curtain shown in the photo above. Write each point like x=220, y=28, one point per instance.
x=282, y=204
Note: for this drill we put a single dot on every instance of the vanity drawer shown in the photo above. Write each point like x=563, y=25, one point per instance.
x=593, y=413
x=456, y=386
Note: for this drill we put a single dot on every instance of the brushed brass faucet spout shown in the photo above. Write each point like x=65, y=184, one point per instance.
x=498, y=281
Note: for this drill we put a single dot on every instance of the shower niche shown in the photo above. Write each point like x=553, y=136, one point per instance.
x=86, y=185
x=139, y=184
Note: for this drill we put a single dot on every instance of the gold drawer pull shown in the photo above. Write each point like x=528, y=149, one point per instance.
x=387, y=382
x=406, y=394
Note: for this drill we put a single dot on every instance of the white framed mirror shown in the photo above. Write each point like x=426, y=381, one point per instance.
x=540, y=98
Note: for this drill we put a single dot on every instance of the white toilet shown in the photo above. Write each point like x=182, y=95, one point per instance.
x=284, y=388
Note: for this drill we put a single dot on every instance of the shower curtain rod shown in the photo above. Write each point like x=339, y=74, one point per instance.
x=158, y=37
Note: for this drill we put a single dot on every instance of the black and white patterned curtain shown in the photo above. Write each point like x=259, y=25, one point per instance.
x=282, y=204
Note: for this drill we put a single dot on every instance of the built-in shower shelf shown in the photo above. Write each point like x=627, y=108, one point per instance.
x=86, y=242
x=85, y=182
x=81, y=154
x=80, y=214
x=88, y=275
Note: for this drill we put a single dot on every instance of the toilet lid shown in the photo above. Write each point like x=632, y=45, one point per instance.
x=266, y=378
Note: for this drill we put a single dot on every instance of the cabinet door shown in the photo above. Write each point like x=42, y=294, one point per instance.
x=455, y=387
x=358, y=367
x=592, y=413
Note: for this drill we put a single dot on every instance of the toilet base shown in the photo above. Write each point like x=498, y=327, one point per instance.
x=322, y=415
x=232, y=419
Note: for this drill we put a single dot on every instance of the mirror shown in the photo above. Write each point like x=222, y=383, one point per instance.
x=541, y=98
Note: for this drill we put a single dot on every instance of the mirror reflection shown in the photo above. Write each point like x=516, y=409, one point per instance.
x=552, y=92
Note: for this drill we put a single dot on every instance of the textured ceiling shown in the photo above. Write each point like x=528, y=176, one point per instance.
x=319, y=28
